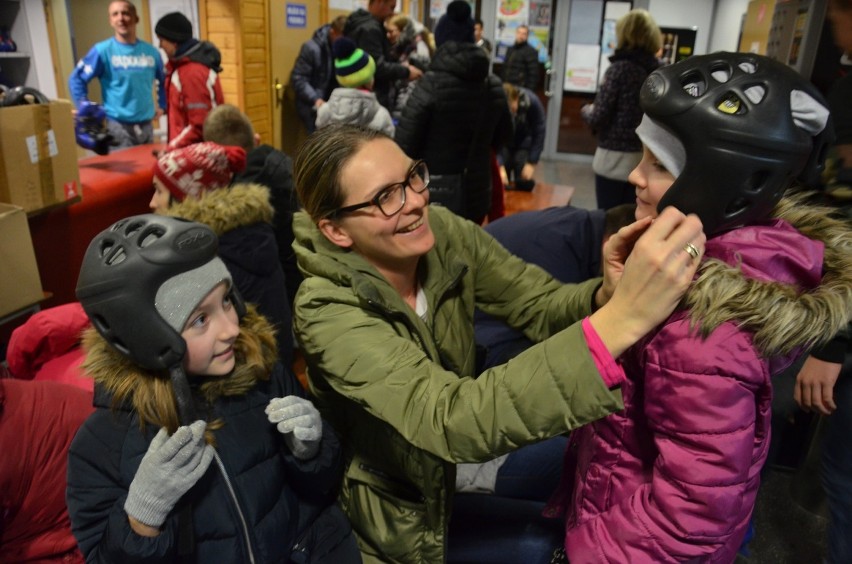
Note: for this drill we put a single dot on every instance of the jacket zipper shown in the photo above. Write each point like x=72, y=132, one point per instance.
x=236, y=505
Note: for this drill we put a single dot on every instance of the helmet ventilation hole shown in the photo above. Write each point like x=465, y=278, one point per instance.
x=149, y=237
x=755, y=183
x=755, y=93
x=132, y=228
x=747, y=67
x=737, y=206
x=116, y=256
x=694, y=84
x=106, y=247
x=731, y=104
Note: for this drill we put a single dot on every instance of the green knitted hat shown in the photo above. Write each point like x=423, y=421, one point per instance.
x=352, y=65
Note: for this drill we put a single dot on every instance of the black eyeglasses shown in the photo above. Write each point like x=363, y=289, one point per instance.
x=391, y=199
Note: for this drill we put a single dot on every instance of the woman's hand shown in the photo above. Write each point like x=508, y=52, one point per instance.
x=647, y=269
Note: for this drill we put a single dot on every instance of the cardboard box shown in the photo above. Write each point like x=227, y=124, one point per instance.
x=38, y=155
x=20, y=285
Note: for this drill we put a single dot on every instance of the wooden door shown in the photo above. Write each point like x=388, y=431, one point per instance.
x=286, y=37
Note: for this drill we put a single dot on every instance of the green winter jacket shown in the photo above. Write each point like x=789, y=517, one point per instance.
x=401, y=392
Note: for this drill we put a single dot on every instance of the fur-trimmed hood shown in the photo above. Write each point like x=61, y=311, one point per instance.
x=788, y=280
x=226, y=209
x=124, y=385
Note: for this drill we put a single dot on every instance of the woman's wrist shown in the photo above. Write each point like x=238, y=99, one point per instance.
x=618, y=332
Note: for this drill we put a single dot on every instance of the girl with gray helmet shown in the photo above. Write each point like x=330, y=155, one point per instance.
x=674, y=475
x=201, y=447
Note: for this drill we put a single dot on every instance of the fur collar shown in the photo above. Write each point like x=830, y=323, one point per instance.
x=782, y=317
x=225, y=209
x=124, y=385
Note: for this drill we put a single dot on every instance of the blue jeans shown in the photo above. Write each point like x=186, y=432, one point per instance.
x=837, y=470
x=532, y=472
x=507, y=527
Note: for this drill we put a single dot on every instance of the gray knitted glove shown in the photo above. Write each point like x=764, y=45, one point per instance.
x=168, y=470
x=300, y=423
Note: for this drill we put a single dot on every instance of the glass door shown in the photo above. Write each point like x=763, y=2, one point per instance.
x=583, y=39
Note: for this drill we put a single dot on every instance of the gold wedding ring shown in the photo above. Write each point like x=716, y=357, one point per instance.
x=691, y=250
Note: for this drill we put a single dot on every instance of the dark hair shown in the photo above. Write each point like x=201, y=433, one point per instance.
x=478, y=21
x=318, y=163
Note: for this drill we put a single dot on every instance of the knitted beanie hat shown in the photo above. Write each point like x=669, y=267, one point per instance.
x=194, y=169
x=175, y=27
x=455, y=25
x=662, y=142
x=178, y=296
x=352, y=65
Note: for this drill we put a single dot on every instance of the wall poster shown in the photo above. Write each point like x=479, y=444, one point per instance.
x=535, y=14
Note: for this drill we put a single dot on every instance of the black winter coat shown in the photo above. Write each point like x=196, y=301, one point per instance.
x=521, y=66
x=369, y=34
x=254, y=478
x=458, y=112
x=267, y=166
x=241, y=216
x=312, y=76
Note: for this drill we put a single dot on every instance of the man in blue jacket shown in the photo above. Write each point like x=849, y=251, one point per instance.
x=127, y=68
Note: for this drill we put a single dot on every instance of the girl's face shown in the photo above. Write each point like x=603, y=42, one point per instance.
x=210, y=333
x=389, y=243
x=652, y=181
x=161, y=199
x=393, y=32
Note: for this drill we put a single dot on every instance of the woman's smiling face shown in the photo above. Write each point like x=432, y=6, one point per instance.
x=388, y=243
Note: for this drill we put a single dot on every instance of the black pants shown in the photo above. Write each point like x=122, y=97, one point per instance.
x=514, y=161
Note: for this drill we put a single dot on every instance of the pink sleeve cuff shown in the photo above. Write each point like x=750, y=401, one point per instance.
x=611, y=372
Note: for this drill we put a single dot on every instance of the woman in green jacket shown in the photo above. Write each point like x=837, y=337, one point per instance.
x=385, y=321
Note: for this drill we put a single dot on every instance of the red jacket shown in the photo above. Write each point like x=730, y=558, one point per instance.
x=192, y=90
x=47, y=347
x=37, y=422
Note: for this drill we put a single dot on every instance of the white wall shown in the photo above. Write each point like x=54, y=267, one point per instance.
x=685, y=13
x=727, y=24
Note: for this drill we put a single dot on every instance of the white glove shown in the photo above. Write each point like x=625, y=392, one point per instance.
x=300, y=423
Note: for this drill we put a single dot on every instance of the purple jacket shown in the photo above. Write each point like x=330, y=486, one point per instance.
x=674, y=475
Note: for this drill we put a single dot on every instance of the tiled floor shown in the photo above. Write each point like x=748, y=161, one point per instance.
x=785, y=532
x=577, y=173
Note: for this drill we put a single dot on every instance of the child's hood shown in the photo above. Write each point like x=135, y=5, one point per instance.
x=788, y=280
x=112, y=371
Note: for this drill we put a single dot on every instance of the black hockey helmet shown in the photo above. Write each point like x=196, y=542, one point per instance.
x=734, y=115
x=124, y=268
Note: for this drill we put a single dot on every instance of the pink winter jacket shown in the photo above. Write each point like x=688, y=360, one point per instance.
x=673, y=477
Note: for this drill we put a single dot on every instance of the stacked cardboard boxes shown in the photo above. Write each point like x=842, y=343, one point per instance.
x=38, y=155
x=20, y=285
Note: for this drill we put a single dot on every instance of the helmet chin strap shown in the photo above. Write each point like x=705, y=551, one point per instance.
x=183, y=395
